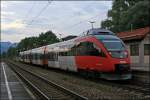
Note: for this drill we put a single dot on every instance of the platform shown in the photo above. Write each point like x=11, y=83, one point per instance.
x=12, y=88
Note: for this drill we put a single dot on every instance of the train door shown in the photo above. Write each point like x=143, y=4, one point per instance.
x=30, y=57
x=45, y=57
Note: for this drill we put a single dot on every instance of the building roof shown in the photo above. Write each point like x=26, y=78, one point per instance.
x=134, y=34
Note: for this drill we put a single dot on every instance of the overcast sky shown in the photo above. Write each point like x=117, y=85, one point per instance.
x=20, y=19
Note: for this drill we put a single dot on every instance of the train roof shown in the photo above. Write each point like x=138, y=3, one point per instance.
x=99, y=31
x=107, y=37
x=96, y=32
x=61, y=46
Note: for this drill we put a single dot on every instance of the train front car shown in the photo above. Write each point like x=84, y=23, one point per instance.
x=106, y=55
x=118, y=58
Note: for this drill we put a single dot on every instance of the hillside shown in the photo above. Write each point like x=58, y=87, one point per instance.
x=5, y=46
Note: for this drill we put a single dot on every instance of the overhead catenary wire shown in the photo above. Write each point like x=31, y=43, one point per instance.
x=41, y=11
x=37, y=15
x=86, y=20
x=45, y=7
x=30, y=10
x=70, y=27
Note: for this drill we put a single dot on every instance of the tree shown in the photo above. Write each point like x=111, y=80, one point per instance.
x=4, y=55
x=47, y=38
x=33, y=42
x=138, y=16
x=127, y=13
x=27, y=43
x=12, y=52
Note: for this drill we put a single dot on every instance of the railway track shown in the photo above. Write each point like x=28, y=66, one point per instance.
x=44, y=88
x=129, y=87
x=134, y=84
x=141, y=76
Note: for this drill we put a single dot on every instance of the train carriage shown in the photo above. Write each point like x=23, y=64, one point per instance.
x=100, y=52
x=38, y=56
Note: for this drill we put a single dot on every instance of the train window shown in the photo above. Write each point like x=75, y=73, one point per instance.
x=60, y=53
x=89, y=49
x=39, y=56
x=113, y=45
x=99, y=50
x=69, y=53
x=55, y=56
x=33, y=56
x=36, y=56
x=73, y=51
x=52, y=56
x=92, y=51
x=65, y=53
x=49, y=55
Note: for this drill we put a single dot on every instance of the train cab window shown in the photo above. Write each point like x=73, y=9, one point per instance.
x=99, y=51
x=89, y=49
x=81, y=49
x=94, y=50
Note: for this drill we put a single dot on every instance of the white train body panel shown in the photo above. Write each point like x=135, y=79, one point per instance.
x=33, y=61
x=53, y=64
x=67, y=63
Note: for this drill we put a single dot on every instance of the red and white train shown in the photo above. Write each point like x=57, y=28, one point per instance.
x=99, y=52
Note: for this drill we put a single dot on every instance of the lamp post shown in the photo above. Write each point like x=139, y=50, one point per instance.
x=60, y=37
x=92, y=22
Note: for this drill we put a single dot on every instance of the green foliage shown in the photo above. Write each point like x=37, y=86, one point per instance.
x=12, y=51
x=3, y=55
x=48, y=38
x=33, y=42
x=138, y=16
x=27, y=43
x=127, y=13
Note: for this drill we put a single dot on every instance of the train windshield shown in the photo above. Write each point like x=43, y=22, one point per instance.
x=115, y=48
x=113, y=45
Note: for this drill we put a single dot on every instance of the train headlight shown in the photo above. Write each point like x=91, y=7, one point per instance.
x=126, y=53
x=119, y=54
x=110, y=53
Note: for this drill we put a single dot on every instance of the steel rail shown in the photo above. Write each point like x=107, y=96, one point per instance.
x=38, y=92
x=67, y=91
